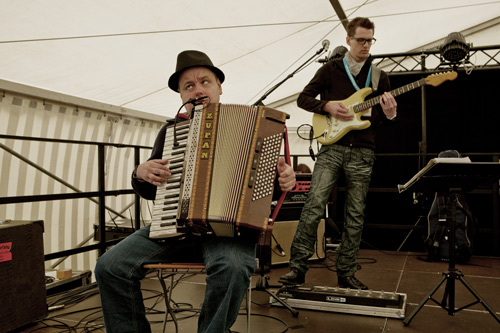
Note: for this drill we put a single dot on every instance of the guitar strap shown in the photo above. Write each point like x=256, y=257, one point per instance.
x=348, y=71
x=373, y=74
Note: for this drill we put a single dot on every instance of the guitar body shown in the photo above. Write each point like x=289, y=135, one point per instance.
x=328, y=130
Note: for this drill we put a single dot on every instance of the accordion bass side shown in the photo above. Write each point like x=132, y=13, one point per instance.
x=223, y=168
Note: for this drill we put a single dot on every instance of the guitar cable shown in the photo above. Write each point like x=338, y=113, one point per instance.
x=310, y=138
x=311, y=151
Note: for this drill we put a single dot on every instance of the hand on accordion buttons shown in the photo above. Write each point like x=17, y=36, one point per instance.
x=155, y=172
x=286, y=175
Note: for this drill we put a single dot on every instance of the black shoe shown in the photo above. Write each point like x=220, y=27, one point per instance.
x=294, y=276
x=351, y=282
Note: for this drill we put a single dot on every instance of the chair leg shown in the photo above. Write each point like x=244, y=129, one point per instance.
x=249, y=304
x=170, y=310
x=167, y=294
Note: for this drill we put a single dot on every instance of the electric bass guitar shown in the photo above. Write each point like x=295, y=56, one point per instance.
x=328, y=130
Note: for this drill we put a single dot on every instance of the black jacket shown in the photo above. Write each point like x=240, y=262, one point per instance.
x=332, y=83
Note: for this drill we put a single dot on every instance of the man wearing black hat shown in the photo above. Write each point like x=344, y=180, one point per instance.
x=229, y=262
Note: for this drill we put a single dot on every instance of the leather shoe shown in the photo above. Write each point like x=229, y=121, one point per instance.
x=294, y=276
x=351, y=282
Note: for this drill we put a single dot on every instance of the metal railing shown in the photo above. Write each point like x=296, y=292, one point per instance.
x=97, y=197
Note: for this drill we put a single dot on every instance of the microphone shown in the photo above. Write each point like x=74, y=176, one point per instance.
x=326, y=44
x=194, y=100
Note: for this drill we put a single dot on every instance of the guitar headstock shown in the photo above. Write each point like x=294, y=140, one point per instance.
x=438, y=78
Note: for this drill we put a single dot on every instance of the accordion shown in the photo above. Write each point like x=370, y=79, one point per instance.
x=223, y=164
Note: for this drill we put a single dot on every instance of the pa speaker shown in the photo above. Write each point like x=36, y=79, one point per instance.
x=22, y=274
x=283, y=232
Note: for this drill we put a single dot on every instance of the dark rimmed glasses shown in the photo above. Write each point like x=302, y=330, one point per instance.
x=363, y=41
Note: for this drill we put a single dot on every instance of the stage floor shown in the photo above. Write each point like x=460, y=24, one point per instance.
x=400, y=272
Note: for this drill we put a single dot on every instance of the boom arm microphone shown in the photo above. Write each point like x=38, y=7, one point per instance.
x=337, y=53
x=326, y=44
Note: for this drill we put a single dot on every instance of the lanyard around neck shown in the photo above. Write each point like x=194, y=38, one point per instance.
x=348, y=70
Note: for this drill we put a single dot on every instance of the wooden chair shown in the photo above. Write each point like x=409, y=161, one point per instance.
x=169, y=270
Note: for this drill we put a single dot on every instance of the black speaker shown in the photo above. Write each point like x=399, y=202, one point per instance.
x=283, y=232
x=22, y=274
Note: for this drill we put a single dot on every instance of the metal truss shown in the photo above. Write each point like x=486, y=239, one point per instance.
x=479, y=58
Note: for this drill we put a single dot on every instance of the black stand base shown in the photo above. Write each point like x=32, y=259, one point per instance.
x=263, y=282
x=263, y=285
x=449, y=296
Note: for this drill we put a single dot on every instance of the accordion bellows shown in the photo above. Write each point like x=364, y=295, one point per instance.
x=223, y=163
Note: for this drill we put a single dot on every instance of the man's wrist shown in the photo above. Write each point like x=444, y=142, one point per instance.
x=134, y=174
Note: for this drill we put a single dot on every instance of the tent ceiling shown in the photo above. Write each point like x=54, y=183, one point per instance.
x=122, y=52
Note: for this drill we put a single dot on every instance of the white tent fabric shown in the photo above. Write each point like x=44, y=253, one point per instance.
x=121, y=52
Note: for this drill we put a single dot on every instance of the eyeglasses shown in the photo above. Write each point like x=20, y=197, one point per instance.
x=362, y=41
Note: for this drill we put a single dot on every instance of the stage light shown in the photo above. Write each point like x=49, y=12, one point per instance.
x=454, y=48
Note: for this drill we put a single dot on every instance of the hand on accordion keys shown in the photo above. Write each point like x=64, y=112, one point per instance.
x=154, y=171
x=286, y=175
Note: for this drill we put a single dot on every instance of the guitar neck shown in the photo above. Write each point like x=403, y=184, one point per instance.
x=396, y=92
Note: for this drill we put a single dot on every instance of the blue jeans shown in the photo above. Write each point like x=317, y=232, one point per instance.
x=229, y=263
x=357, y=165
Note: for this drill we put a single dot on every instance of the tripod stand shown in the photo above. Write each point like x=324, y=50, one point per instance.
x=451, y=275
x=453, y=178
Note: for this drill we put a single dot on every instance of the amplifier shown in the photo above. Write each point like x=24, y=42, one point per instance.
x=353, y=301
x=22, y=274
x=284, y=231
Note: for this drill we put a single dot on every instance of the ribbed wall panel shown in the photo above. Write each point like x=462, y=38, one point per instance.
x=67, y=222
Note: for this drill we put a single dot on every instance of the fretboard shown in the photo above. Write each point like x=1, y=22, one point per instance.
x=396, y=92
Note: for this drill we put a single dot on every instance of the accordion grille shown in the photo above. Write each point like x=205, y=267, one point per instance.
x=235, y=127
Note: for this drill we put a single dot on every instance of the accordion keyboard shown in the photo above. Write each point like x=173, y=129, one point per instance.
x=164, y=222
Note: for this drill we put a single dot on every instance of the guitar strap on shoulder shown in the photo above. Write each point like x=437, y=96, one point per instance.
x=375, y=76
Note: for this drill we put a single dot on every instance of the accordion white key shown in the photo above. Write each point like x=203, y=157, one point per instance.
x=223, y=163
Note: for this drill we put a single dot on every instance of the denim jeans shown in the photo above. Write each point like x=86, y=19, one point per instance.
x=357, y=165
x=229, y=263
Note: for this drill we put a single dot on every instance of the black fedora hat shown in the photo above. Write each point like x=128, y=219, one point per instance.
x=188, y=59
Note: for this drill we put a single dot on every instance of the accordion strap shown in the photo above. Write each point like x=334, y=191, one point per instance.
x=288, y=161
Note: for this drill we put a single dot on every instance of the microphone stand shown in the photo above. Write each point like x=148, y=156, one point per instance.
x=263, y=284
x=301, y=67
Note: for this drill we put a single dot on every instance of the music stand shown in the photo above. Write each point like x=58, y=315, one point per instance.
x=452, y=176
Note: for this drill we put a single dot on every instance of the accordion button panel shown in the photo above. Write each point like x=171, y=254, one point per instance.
x=263, y=180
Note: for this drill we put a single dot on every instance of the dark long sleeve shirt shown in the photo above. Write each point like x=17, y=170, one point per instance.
x=332, y=83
